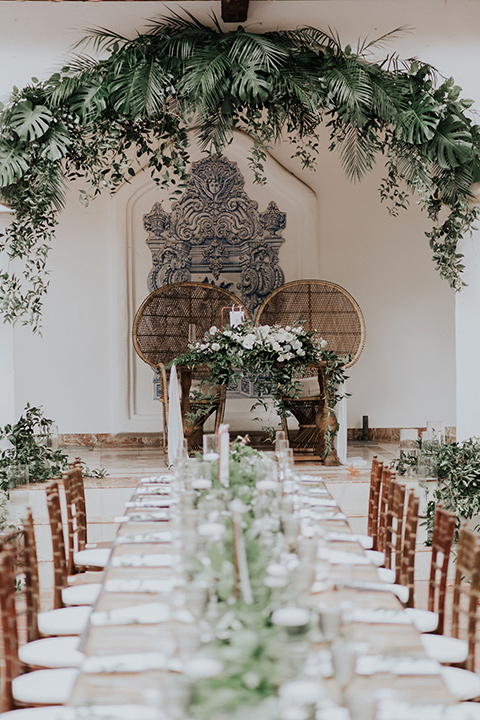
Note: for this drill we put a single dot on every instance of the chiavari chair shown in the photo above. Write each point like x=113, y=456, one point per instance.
x=406, y=575
x=50, y=651
x=39, y=687
x=80, y=557
x=374, y=501
x=462, y=682
x=64, y=594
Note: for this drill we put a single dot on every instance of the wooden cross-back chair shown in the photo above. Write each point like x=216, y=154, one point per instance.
x=394, y=527
x=407, y=558
x=443, y=534
x=374, y=500
x=335, y=316
x=466, y=593
x=80, y=557
x=164, y=324
x=21, y=544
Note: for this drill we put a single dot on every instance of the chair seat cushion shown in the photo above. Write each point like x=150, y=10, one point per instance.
x=52, y=652
x=462, y=684
x=95, y=557
x=308, y=387
x=86, y=594
x=365, y=541
x=44, y=687
x=424, y=620
x=49, y=712
x=64, y=621
x=375, y=557
x=386, y=574
x=401, y=591
x=445, y=649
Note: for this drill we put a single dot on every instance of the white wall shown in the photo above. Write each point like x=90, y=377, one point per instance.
x=79, y=369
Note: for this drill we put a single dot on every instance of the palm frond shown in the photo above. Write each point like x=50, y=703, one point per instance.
x=382, y=41
x=256, y=51
x=350, y=89
x=356, y=153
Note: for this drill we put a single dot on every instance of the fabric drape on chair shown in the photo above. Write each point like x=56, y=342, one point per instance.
x=175, y=423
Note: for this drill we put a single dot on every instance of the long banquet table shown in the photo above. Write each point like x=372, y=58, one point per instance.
x=137, y=640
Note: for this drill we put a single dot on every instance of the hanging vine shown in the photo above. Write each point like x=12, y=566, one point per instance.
x=104, y=119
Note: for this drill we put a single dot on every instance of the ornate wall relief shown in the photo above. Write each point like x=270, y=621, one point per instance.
x=215, y=233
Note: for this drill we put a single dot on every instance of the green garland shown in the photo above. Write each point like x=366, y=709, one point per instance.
x=103, y=120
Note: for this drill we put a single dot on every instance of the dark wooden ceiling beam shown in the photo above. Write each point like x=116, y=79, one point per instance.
x=234, y=10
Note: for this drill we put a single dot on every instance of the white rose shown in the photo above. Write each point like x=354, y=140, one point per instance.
x=212, y=330
x=323, y=344
x=215, y=347
x=300, y=352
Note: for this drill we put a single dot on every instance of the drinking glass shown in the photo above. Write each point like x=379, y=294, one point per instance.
x=211, y=447
x=280, y=436
x=17, y=476
x=436, y=431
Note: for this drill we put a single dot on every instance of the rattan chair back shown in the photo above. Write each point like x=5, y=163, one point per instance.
x=165, y=320
x=407, y=557
x=466, y=593
x=321, y=306
x=374, y=500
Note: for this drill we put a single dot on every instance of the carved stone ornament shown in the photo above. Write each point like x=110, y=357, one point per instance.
x=216, y=234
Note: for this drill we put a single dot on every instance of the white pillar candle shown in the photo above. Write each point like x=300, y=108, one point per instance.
x=224, y=448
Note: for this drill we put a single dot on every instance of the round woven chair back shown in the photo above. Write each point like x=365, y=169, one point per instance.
x=321, y=306
x=164, y=322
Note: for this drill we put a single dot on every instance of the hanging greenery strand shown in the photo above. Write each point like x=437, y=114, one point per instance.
x=104, y=119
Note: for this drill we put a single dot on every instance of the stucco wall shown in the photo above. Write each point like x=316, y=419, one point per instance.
x=80, y=369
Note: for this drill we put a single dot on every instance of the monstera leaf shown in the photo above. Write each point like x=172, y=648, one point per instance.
x=418, y=124
x=30, y=122
x=451, y=145
x=14, y=162
x=56, y=142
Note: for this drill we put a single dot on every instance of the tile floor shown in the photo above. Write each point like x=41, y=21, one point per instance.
x=106, y=497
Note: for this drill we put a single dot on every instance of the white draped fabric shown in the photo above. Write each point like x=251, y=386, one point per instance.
x=175, y=424
x=341, y=437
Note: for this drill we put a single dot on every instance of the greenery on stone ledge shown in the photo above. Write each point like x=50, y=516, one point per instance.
x=104, y=118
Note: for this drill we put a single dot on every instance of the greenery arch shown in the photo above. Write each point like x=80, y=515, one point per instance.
x=101, y=118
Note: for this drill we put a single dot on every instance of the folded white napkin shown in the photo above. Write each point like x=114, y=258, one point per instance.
x=152, y=516
x=139, y=586
x=145, y=614
x=318, y=501
x=370, y=664
x=340, y=557
x=310, y=478
x=115, y=712
x=153, y=489
x=379, y=615
x=154, y=560
x=153, y=537
x=126, y=662
x=148, y=501
x=340, y=537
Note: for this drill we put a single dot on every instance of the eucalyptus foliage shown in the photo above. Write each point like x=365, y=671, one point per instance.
x=104, y=118
x=458, y=477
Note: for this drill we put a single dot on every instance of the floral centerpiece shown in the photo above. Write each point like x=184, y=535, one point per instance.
x=275, y=357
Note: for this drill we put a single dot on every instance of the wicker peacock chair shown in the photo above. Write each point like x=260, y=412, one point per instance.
x=166, y=321
x=336, y=317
